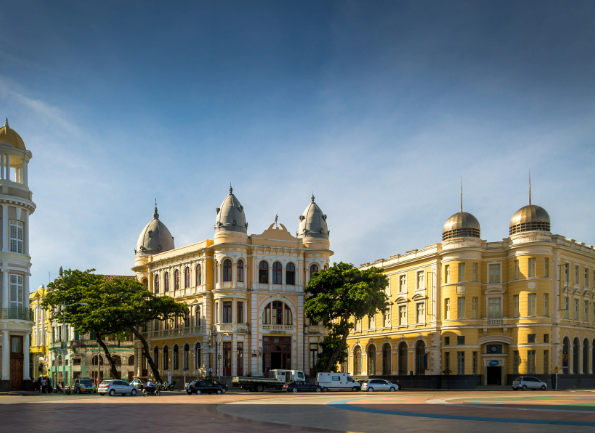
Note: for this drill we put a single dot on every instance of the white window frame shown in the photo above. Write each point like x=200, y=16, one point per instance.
x=16, y=236
x=447, y=309
x=576, y=309
x=500, y=298
x=499, y=265
x=587, y=272
x=460, y=311
x=474, y=305
x=516, y=270
x=546, y=304
x=546, y=268
x=16, y=296
x=417, y=307
x=577, y=275
x=475, y=272
x=532, y=304
x=446, y=274
x=461, y=272
x=419, y=280
x=402, y=283
x=403, y=319
x=516, y=306
x=387, y=318
x=586, y=310
x=532, y=267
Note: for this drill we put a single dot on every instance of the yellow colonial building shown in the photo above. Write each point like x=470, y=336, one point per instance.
x=39, y=349
x=245, y=294
x=484, y=311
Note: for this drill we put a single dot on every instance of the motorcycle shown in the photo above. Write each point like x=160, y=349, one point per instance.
x=151, y=391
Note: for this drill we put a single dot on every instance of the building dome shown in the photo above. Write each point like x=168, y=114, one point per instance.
x=313, y=223
x=230, y=216
x=461, y=225
x=155, y=237
x=10, y=136
x=530, y=218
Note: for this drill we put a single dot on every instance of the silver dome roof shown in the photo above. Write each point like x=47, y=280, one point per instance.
x=231, y=216
x=155, y=237
x=461, y=224
x=313, y=222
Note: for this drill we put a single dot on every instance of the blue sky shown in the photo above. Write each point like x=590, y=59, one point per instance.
x=378, y=107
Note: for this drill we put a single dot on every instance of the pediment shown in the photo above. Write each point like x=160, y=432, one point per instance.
x=419, y=296
x=401, y=299
x=494, y=289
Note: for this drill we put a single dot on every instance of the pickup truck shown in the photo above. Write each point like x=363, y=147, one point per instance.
x=275, y=381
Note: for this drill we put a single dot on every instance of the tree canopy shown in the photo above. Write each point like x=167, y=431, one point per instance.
x=338, y=297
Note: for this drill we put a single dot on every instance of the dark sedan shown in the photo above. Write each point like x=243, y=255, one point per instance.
x=301, y=386
x=206, y=387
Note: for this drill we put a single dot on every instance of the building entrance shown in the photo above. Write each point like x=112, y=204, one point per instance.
x=276, y=354
x=494, y=375
x=16, y=363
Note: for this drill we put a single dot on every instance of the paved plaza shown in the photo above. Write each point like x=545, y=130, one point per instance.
x=437, y=411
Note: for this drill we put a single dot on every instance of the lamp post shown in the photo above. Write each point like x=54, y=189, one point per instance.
x=62, y=343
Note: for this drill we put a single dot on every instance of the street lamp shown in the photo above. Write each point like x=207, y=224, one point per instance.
x=62, y=343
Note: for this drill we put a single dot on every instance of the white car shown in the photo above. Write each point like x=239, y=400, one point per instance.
x=379, y=385
x=528, y=382
x=113, y=387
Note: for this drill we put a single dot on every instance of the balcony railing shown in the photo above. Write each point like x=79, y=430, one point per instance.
x=277, y=327
x=18, y=313
x=495, y=322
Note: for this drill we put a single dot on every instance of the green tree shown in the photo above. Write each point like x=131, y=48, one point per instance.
x=339, y=296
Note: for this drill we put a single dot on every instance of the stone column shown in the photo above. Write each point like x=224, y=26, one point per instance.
x=7, y=177
x=5, y=289
x=5, y=356
x=2, y=166
x=5, y=227
x=25, y=173
x=26, y=340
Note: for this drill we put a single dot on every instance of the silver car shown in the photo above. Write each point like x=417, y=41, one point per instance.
x=113, y=387
x=528, y=382
x=379, y=385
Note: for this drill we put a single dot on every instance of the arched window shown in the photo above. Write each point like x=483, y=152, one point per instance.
x=386, y=364
x=186, y=277
x=97, y=358
x=176, y=357
x=197, y=356
x=357, y=361
x=117, y=360
x=313, y=269
x=240, y=266
x=266, y=315
x=198, y=275
x=186, y=359
x=277, y=313
x=146, y=282
x=156, y=356
x=156, y=283
x=371, y=360
x=420, y=357
x=166, y=282
x=166, y=358
x=586, y=356
x=287, y=318
x=575, y=356
x=325, y=267
x=566, y=356
x=263, y=273
x=131, y=360
x=402, y=358
x=227, y=276
x=197, y=316
x=176, y=280
x=290, y=274
x=277, y=273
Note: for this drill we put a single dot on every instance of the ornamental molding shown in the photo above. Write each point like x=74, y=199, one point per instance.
x=494, y=339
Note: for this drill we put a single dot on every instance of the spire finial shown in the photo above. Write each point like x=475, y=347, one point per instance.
x=156, y=214
x=277, y=220
x=529, y=187
x=461, y=193
x=312, y=196
x=230, y=188
x=6, y=122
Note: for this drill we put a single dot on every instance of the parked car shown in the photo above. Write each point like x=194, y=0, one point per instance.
x=301, y=386
x=138, y=383
x=380, y=385
x=337, y=382
x=206, y=386
x=84, y=385
x=528, y=382
x=113, y=387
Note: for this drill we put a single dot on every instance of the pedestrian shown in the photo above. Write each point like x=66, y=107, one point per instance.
x=44, y=385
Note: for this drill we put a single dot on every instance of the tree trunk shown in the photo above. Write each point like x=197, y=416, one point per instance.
x=147, y=352
x=115, y=372
x=335, y=355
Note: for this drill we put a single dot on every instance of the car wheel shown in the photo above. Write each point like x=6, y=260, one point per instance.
x=145, y=393
x=524, y=388
x=112, y=393
x=133, y=392
x=223, y=390
x=294, y=389
x=324, y=389
x=318, y=390
x=157, y=393
x=259, y=388
x=543, y=387
x=218, y=391
x=198, y=392
x=354, y=389
x=392, y=390
x=370, y=389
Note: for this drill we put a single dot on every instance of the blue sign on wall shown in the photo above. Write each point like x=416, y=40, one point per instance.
x=493, y=363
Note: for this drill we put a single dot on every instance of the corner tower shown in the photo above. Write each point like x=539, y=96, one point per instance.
x=313, y=229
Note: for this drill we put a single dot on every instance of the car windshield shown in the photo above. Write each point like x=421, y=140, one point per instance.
x=86, y=382
x=193, y=382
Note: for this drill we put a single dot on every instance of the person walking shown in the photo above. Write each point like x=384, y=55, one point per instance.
x=44, y=385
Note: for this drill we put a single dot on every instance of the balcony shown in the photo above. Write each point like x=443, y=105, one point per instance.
x=277, y=328
x=17, y=313
x=495, y=322
x=232, y=327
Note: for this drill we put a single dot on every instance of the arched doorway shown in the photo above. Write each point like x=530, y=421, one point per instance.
x=420, y=357
x=575, y=356
x=357, y=361
x=371, y=360
x=586, y=356
x=565, y=356
x=386, y=361
x=402, y=358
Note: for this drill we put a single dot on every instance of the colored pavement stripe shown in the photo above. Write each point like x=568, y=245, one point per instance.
x=343, y=404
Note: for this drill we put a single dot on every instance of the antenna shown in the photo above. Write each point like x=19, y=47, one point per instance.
x=529, y=187
x=461, y=193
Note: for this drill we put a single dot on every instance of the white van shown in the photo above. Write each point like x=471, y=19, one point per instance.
x=337, y=382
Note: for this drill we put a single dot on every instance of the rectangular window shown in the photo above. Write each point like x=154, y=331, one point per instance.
x=461, y=272
x=420, y=280
x=402, y=284
x=546, y=361
x=240, y=358
x=420, y=312
x=447, y=274
x=461, y=307
x=531, y=306
x=494, y=308
x=447, y=361
x=531, y=338
x=494, y=273
x=515, y=300
x=531, y=361
x=16, y=291
x=516, y=269
x=447, y=309
x=586, y=277
x=546, y=338
x=371, y=322
x=240, y=312
x=460, y=362
x=546, y=305
x=586, y=312
x=474, y=362
x=531, y=268
x=447, y=341
x=16, y=236
x=474, y=303
x=577, y=271
x=566, y=273
x=546, y=268
x=566, y=307
x=516, y=362
x=358, y=325
x=576, y=309
x=461, y=340
x=386, y=317
x=475, y=272
x=402, y=315
x=217, y=312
